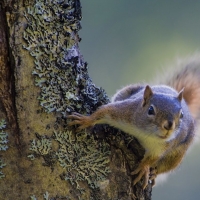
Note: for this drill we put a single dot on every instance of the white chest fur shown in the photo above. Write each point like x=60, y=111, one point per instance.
x=153, y=145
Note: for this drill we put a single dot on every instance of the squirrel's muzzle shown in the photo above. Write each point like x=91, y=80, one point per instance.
x=168, y=125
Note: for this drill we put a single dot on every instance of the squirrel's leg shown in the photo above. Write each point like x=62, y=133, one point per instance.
x=171, y=160
x=83, y=121
x=174, y=157
x=108, y=114
x=143, y=170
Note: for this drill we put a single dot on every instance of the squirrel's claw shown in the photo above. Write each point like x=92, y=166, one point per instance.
x=81, y=120
x=152, y=176
x=141, y=172
x=75, y=115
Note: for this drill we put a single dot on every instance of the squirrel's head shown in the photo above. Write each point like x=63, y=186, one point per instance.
x=162, y=111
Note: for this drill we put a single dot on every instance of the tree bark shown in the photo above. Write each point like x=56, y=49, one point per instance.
x=43, y=78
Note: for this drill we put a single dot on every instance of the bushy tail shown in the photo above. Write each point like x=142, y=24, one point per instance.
x=186, y=74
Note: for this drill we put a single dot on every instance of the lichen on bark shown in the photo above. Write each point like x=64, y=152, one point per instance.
x=61, y=74
x=52, y=39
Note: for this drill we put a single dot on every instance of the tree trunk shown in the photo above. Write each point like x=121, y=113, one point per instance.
x=43, y=79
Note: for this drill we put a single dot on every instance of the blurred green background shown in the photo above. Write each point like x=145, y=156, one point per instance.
x=130, y=41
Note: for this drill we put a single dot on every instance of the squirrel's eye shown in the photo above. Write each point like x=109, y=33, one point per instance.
x=181, y=114
x=151, y=111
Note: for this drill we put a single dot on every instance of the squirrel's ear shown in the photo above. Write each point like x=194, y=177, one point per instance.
x=180, y=95
x=147, y=95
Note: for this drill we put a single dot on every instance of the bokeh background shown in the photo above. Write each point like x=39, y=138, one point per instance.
x=130, y=41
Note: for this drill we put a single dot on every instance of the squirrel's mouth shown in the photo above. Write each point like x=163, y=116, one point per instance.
x=165, y=134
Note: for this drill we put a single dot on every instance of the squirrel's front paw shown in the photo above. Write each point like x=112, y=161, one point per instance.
x=81, y=120
x=141, y=171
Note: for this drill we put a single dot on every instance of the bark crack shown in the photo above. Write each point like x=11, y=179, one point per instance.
x=7, y=81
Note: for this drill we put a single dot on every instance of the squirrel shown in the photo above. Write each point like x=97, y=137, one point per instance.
x=162, y=117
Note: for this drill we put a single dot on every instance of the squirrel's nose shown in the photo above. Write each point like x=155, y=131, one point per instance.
x=168, y=125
